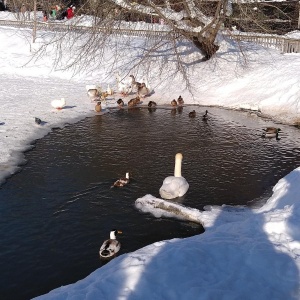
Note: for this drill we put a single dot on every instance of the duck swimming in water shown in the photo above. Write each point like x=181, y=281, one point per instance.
x=192, y=114
x=122, y=181
x=111, y=246
x=272, y=130
x=205, y=116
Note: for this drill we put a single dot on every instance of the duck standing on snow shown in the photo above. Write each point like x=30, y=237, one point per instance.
x=174, y=186
x=111, y=246
x=120, y=103
x=98, y=107
x=124, y=88
x=38, y=121
x=180, y=100
x=93, y=92
x=58, y=104
x=122, y=181
x=135, y=85
x=109, y=90
x=174, y=103
x=143, y=91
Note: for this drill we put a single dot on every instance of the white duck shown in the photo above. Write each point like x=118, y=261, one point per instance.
x=58, y=104
x=124, y=88
x=93, y=91
x=174, y=186
x=111, y=246
x=109, y=90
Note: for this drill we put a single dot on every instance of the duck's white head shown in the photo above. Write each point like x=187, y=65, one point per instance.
x=178, y=161
x=114, y=233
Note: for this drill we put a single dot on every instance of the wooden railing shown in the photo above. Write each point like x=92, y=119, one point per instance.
x=283, y=44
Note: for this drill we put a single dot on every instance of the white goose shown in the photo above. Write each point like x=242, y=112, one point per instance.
x=174, y=186
x=58, y=104
x=123, y=87
x=111, y=246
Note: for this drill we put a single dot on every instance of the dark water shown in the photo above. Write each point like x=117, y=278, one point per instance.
x=56, y=212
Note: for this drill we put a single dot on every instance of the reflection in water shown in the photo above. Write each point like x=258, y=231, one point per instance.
x=56, y=213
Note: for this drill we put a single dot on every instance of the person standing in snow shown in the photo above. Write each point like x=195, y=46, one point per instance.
x=70, y=12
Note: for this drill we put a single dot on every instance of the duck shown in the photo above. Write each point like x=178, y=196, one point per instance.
x=180, y=100
x=271, y=129
x=124, y=88
x=192, y=114
x=111, y=246
x=109, y=90
x=58, y=104
x=271, y=135
x=174, y=103
x=134, y=102
x=120, y=102
x=38, y=121
x=93, y=92
x=174, y=186
x=98, y=107
x=134, y=83
x=205, y=116
x=143, y=91
x=151, y=104
x=122, y=181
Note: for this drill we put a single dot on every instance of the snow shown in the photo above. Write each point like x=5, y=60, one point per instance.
x=244, y=253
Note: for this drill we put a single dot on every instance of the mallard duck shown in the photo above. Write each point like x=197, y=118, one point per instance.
x=192, y=114
x=205, y=116
x=174, y=102
x=120, y=102
x=133, y=102
x=134, y=83
x=122, y=181
x=58, y=104
x=174, y=186
x=151, y=104
x=271, y=135
x=38, y=121
x=271, y=130
x=98, y=107
x=143, y=91
x=111, y=246
x=180, y=100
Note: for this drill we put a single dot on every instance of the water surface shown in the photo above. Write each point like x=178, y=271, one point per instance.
x=56, y=212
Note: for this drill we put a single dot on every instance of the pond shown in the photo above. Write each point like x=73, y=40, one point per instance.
x=57, y=211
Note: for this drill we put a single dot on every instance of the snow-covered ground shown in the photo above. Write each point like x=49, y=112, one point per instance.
x=244, y=253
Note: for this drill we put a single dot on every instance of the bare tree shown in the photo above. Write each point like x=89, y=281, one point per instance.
x=190, y=26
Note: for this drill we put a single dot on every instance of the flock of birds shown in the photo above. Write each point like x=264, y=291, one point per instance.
x=172, y=187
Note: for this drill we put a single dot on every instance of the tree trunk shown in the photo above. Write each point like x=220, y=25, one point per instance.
x=206, y=46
